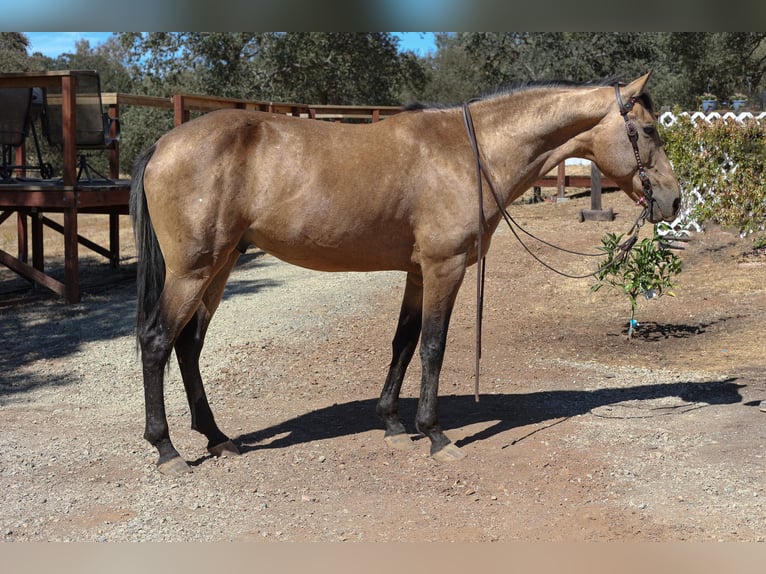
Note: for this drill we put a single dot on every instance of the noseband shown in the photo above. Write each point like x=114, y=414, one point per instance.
x=646, y=185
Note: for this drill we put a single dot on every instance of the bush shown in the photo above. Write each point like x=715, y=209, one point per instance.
x=647, y=269
x=719, y=166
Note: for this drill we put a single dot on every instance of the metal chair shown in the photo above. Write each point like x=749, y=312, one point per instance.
x=94, y=129
x=19, y=108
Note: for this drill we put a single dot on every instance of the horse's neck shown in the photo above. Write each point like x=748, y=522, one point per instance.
x=526, y=134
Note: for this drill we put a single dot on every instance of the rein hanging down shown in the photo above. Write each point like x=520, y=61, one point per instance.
x=645, y=201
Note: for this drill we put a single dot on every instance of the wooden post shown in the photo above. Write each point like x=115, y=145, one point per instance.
x=595, y=187
x=596, y=213
x=71, y=262
x=114, y=147
x=114, y=173
x=114, y=240
x=38, y=257
x=21, y=159
x=180, y=115
x=561, y=179
x=23, y=235
x=68, y=122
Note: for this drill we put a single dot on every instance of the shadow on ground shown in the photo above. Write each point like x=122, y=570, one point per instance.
x=506, y=411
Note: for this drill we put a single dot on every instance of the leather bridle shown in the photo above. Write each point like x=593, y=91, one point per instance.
x=645, y=199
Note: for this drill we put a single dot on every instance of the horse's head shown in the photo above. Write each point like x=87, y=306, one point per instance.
x=627, y=148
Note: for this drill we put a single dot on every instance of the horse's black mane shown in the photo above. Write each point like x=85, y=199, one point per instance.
x=521, y=86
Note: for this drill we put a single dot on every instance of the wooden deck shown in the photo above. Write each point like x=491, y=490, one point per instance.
x=31, y=200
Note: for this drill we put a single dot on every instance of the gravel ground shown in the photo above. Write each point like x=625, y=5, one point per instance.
x=74, y=360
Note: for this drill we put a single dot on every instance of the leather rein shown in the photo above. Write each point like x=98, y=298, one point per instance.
x=645, y=200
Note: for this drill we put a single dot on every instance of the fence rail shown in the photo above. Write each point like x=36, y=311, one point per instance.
x=667, y=119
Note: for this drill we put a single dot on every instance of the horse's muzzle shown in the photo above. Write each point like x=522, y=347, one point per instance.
x=664, y=210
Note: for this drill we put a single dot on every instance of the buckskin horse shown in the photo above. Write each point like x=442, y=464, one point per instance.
x=399, y=194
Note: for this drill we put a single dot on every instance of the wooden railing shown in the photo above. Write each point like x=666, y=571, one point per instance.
x=184, y=104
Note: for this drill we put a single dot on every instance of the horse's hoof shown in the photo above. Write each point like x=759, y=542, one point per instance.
x=227, y=448
x=174, y=467
x=399, y=442
x=448, y=453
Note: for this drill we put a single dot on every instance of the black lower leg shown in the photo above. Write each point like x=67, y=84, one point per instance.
x=432, y=347
x=188, y=349
x=404, y=345
x=154, y=355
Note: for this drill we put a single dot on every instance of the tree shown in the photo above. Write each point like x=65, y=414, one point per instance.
x=575, y=56
x=13, y=52
x=451, y=73
x=684, y=65
x=310, y=67
x=718, y=62
x=339, y=68
x=108, y=59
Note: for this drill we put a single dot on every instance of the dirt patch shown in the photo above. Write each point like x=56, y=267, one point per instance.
x=580, y=434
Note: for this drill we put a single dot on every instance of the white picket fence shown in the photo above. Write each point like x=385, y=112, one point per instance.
x=669, y=118
x=685, y=223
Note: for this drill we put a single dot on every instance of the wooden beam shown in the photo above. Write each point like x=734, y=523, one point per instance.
x=29, y=272
x=71, y=256
x=68, y=127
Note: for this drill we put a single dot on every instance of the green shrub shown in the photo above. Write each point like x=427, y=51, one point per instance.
x=647, y=269
x=719, y=166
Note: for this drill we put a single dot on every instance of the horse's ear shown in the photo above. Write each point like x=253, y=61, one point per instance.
x=636, y=87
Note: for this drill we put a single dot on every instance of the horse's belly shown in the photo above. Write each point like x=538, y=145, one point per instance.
x=337, y=252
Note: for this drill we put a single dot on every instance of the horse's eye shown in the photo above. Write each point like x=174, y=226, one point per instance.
x=649, y=130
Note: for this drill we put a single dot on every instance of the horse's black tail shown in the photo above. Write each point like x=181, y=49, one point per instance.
x=151, y=263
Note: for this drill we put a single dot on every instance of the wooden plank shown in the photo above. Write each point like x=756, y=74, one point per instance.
x=32, y=274
x=92, y=245
x=39, y=199
x=71, y=256
x=120, y=99
x=57, y=197
x=580, y=181
x=102, y=198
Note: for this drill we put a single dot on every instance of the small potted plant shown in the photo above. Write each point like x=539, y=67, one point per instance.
x=738, y=100
x=708, y=101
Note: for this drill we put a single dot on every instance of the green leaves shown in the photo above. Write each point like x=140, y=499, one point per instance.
x=720, y=167
x=647, y=270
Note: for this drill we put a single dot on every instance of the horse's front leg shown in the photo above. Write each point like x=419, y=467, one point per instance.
x=404, y=344
x=441, y=285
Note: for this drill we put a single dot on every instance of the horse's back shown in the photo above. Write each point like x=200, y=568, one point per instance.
x=322, y=195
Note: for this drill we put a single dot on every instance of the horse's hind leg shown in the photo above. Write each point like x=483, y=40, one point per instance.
x=178, y=301
x=188, y=349
x=404, y=344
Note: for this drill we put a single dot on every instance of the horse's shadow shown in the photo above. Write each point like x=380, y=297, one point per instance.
x=507, y=411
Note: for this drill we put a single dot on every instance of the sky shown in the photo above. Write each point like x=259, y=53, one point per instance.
x=53, y=44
